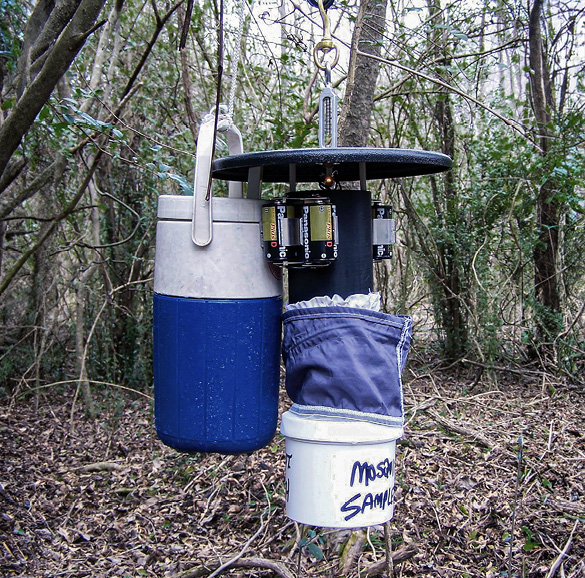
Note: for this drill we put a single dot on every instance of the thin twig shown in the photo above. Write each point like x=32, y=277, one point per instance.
x=231, y=562
x=90, y=381
x=559, y=559
x=369, y=539
x=511, y=123
x=515, y=504
x=388, y=548
x=82, y=376
x=247, y=544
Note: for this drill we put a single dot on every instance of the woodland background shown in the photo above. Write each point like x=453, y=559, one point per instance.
x=99, y=115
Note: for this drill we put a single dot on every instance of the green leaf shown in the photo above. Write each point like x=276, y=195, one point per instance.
x=9, y=103
x=186, y=187
x=463, y=510
x=45, y=113
x=315, y=551
x=89, y=119
x=531, y=543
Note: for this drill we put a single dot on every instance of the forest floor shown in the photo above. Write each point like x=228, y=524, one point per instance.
x=103, y=497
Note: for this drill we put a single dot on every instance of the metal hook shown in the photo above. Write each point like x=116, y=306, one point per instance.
x=320, y=52
x=326, y=45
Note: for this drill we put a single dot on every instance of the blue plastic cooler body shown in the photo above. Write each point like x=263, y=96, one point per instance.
x=216, y=372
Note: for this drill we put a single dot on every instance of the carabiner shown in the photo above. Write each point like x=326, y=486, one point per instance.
x=326, y=45
x=320, y=52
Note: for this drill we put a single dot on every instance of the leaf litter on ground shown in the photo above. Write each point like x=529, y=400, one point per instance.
x=108, y=499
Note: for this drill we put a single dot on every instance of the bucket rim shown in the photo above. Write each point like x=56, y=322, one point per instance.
x=336, y=430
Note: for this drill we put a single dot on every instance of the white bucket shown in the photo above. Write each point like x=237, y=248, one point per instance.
x=339, y=472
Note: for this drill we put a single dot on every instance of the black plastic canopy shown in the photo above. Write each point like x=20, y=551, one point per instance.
x=351, y=164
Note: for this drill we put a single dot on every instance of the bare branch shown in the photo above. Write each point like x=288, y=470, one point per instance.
x=511, y=123
x=55, y=65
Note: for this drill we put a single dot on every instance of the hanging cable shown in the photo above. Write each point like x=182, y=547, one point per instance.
x=218, y=120
x=237, y=56
x=218, y=92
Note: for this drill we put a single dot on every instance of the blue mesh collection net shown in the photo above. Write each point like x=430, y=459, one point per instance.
x=346, y=362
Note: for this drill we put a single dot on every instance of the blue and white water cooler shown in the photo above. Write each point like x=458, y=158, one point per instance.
x=217, y=323
x=216, y=316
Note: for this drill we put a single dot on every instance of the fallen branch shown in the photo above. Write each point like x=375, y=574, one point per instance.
x=281, y=570
x=576, y=508
x=401, y=555
x=102, y=467
x=277, y=567
x=471, y=435
x=523, y=372
x=350, y=551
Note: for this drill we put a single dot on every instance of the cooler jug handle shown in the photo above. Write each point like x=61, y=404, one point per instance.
x=201, y=231
x=235, y=147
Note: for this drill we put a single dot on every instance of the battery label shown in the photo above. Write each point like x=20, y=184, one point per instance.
x=299, y=232
x=321, y=223
x=305, y=227
x=269, y=230
x=383, y=231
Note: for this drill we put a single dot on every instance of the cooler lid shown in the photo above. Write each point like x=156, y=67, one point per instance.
x=180, y=208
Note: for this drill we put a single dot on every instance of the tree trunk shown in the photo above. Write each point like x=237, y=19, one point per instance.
x=354, y=122
x=454, y=318
x=451, y=310
x=51, y=48
x=548, y=207
x=81, y=342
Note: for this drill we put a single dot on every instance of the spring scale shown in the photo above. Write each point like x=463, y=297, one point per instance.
x=326, y=55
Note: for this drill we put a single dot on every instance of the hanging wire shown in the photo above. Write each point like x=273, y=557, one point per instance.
x=217, y=94
x=219, y=109
x=237, y=56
